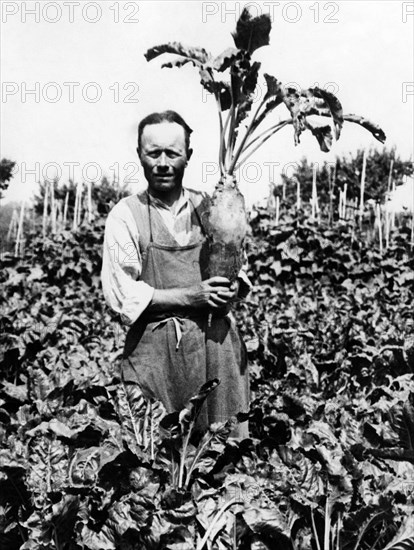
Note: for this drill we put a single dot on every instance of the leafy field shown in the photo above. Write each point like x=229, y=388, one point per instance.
x=330, y=464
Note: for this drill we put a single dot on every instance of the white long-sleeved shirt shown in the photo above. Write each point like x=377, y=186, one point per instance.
x=123, y=290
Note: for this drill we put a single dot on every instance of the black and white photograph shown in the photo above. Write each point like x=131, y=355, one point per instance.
x=207, y=275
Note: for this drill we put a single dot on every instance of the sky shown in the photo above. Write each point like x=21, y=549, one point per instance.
x=75, y=83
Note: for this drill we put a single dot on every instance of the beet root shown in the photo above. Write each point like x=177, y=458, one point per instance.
x=226, y=230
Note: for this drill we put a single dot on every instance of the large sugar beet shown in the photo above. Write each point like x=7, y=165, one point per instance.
x=226, y=226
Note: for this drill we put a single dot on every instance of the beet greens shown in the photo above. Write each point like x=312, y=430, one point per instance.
x=227, y=223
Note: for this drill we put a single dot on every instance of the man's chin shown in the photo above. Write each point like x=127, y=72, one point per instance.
x=167, y=184
x=167, y=188
x=164, y=186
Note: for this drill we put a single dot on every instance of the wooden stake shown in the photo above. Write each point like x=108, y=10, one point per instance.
x=19, y=238
x=334, y=180
x=314, y=196
x=89, y=202
x=80, y=203
x=393, y=209
x=45, y=206
x=379, y=226
x=13, y=224
x=412, y=218
x=298, y=201
x=78, y=206
x=387, y=228
x=390, y=176
x=65, y=208
x=53, y=206
x=361, y=199
x=277, y=209
x=75, y=209
x=271, y=200
x=330, y=180
x=340, y=204
x=344, y=203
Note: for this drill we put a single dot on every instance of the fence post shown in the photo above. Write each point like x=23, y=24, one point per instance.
x=361, y=199
x=17, y=248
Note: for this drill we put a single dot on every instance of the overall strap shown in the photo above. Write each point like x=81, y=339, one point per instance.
x=138, y=204
x=140, y=208
x=197, y=213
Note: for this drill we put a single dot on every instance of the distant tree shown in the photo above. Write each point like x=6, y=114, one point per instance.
x=6, y=173
x=348, y=170
x=105, y=194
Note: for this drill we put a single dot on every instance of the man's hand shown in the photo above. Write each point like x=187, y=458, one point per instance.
x=216, y=292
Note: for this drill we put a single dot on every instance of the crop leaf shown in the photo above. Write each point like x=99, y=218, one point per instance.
x=214, y=439
x=220, y=89
x=375, y=130
x=104, y=539
x=198, y=56
x=332, y=104
x=52, y=525
x=139, y=418
x=178, y=61
x=86, y=464
x=189, y=414
x=48, y=463
x=267, y=521
x=246, y=85
x=313, y=101
x=224, y=60
x=180, y=425
x=404, y=539
x=252, y=32
x=272, y=85
x=324, y=136
x=402, y=421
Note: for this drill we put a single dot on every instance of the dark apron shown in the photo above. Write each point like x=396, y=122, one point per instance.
x=171, y=355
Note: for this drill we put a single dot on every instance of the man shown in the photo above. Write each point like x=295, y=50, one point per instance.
x=181, y=332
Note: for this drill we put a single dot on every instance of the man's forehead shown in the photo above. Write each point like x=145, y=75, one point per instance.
x=163, y=134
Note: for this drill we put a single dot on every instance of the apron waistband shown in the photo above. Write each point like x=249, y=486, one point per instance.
x=183, y=314
x=179, y=318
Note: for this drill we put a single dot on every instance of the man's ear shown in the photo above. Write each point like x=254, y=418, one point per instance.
x=189, y=153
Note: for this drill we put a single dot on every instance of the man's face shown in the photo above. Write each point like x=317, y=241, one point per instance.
x=164, y=157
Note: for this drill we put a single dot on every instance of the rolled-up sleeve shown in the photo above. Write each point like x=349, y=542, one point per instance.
x=122, y=265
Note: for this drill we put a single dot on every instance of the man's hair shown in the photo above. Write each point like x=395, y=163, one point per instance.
x=164, y=116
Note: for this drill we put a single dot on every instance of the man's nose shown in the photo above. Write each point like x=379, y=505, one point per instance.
x=162, y=160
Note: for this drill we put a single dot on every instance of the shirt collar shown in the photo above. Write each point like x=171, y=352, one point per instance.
x=177, y=206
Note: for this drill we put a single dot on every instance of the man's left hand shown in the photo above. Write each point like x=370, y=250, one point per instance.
x=232, y=293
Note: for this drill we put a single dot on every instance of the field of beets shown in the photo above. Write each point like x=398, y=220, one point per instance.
x=330, y=462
